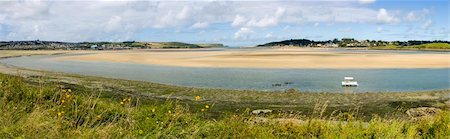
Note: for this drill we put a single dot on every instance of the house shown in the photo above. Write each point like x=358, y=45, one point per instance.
x=94, y=46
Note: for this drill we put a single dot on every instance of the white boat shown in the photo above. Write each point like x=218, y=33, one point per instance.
x=349, y=82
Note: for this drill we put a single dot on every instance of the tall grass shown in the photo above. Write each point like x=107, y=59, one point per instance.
x=50, y=110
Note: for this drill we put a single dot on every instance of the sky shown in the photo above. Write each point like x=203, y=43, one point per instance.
x=233, y=23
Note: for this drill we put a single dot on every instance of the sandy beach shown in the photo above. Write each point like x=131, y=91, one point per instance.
x=271, y=58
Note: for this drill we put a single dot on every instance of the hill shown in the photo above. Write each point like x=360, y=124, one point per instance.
x=54, y=45
x=351, y=42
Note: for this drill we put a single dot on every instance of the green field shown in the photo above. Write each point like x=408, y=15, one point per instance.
x=429, y=46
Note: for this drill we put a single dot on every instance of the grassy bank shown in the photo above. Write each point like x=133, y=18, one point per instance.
x=429, y=46
x=37, y=109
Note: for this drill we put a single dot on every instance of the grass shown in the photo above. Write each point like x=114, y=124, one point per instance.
x=429, y=46
x=47, y=109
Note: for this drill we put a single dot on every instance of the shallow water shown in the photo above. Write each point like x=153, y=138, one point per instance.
x=315, y=80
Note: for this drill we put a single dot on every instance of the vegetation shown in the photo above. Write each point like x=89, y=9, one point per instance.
x=41, y=109
x=211, y=45
x=374, y=44
x=428, y=46
x=54, y=45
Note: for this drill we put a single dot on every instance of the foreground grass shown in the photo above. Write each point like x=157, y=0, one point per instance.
x=53, y=110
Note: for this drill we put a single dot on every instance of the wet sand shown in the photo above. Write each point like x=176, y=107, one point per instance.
x=270, y=58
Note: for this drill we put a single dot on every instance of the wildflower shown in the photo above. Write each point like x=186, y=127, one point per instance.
x=170, y=111
x=62, y=101
x=202, y=110
x=67, y=95
x=147, y=118
x=60, y=113
x=99, y=116
x=141, y=132
x=207, y=106
x=121, y=103
x=124, y=99
x=153, y=110
x=69, y=90
x=129, y=99
x=197, y=98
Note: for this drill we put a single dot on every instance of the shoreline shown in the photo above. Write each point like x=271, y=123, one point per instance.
x=288, y=58
x=13, y=70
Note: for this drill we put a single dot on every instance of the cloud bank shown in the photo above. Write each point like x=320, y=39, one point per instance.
x=123, y=20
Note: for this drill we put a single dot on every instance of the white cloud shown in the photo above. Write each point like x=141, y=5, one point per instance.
x=366, y=1
x=243, y=33
x=427, y=24
x=411, y=16
x=266, y=21
x=200, y=25
x=184, y=13
x=384, y=17
x=114, y=24
x=238, y=21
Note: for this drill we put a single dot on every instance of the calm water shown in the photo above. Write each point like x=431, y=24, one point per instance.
x=316, y=80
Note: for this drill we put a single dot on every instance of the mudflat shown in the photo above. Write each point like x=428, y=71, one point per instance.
x=271, y=58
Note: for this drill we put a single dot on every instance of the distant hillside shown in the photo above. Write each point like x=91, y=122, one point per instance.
x=291, y=42
x=211, y=45
x=428, y=46
x=36, y=45
x=350, y=42
x=53, y=45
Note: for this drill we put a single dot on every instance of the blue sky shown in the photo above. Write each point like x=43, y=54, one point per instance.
x=234, y=23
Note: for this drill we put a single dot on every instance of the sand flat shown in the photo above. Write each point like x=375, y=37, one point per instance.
x=271, y=58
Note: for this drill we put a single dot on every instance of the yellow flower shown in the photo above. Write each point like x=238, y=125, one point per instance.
x=68, y=96
x=147, y=118
x=62, y=101
x=121, y=103
x=206, y=106
x=170, y=111
x=141, y=132
x=99, y=117
x=153, y=110
x=59, y=114
x=69, y=90
x=202, y=110
x=129, y=99
x=124, y=99
x=197, y=98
